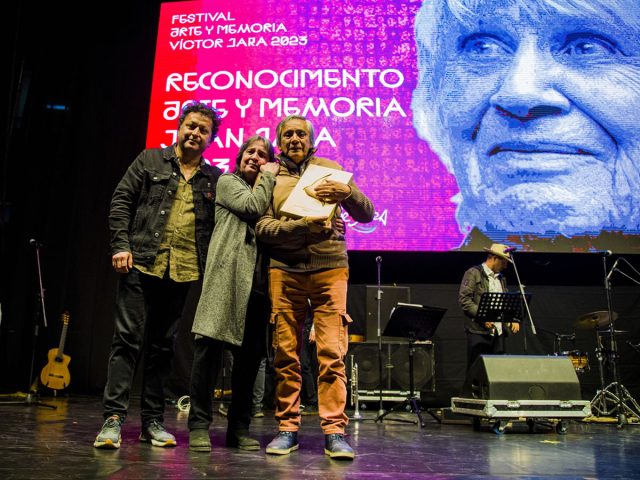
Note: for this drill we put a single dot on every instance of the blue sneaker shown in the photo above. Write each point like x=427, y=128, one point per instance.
x=109, y=436
x=155, y=433
x=283, y=443
x=337, y=447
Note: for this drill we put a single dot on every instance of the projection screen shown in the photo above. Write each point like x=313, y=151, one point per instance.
x=466, y=122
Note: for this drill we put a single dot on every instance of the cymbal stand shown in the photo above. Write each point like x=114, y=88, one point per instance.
x=600, y=403
x=615, y=393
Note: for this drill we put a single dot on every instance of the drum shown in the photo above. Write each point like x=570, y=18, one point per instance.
x=579, y=359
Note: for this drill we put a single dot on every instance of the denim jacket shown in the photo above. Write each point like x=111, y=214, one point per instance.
x=142, y=201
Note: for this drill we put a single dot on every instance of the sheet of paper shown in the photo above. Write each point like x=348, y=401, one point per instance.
x=302, y=203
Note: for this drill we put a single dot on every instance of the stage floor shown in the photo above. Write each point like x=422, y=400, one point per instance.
x=42, y=443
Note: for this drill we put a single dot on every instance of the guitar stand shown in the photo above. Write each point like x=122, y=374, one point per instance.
x=31, y=397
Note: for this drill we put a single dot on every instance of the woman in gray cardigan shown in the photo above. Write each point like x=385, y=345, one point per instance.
x=233, y=309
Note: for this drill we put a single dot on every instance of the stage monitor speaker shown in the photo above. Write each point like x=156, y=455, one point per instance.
x=395, y=366
x=390, y=297
x=522, y=377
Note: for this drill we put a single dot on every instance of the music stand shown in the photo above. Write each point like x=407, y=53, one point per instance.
x=416, y=323
x=500, y=307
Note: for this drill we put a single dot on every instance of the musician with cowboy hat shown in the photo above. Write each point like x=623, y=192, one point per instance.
x=485, y=337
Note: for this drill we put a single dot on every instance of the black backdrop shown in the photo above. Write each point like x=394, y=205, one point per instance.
x=59, y=168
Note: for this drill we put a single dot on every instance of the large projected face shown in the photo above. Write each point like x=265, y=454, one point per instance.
x=533, y=106
x=467, y=122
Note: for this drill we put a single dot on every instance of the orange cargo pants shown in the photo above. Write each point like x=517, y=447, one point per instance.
x=292, y=294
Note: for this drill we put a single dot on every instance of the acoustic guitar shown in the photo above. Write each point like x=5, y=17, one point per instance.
x=55, y=374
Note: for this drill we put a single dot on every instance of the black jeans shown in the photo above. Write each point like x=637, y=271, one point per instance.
x=478, y=344
x=147, y=313
x=207, y=359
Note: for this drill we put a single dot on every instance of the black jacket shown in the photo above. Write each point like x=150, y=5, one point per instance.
x=142, y=201
x=474, y=283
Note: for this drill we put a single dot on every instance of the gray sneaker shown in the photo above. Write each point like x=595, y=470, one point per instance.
x=109, y=436
x=157, y=435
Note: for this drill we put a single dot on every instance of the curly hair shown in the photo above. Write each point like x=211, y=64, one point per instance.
x=204, y=109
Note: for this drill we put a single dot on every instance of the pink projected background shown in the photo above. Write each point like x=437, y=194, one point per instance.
x=358, y=63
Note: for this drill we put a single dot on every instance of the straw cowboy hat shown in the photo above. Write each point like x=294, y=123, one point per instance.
x=500, y=250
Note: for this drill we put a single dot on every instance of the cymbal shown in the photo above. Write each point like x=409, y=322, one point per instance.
x=354, y=338
x=594, y=320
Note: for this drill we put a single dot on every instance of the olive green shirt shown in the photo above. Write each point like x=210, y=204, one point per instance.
x=177, y=250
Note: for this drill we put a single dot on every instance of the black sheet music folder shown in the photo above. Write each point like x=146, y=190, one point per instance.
x=412, y=320
x=501, y=307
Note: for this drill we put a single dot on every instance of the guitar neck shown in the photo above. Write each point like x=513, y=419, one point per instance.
x=63, y=335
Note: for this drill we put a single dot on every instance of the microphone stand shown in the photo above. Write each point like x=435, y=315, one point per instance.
x=379, y=333
x=381, y=412
x=40, y=309
x=526, y=304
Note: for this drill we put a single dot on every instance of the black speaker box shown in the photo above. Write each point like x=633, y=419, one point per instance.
x=395, y=366
x=389, y=298
x=522, y=377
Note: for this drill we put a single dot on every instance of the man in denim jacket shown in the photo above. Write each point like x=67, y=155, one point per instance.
x=161, y=220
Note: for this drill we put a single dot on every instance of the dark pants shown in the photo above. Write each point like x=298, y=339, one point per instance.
x=147, y=312
x=478, y=344
x=246, y=361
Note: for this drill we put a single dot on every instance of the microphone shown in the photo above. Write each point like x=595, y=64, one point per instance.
x=378, y=259
x=510, y=249
x=34, y=243
x=604, y=253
